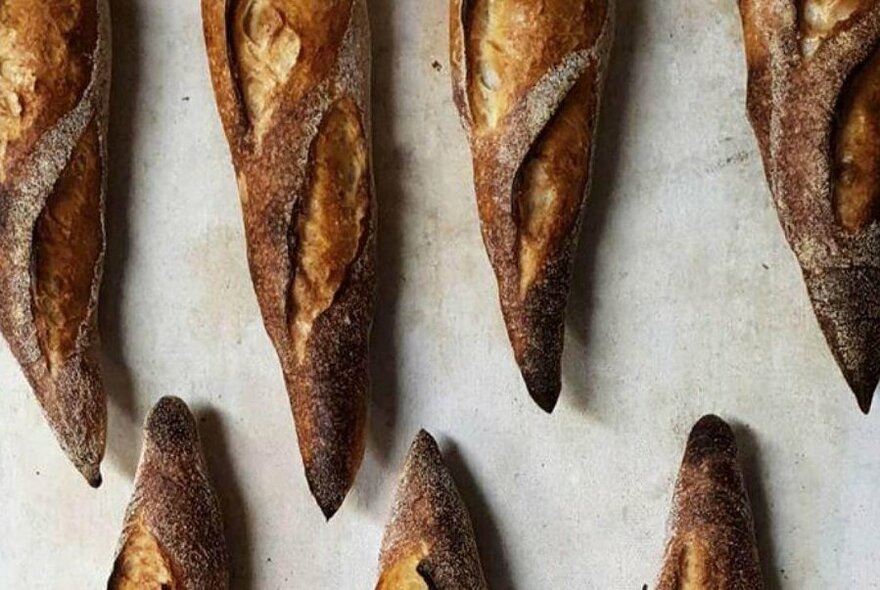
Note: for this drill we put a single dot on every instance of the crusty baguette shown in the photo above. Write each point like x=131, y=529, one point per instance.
x=54, y=85
x=291, y=78
x=712, y=540
x=813, y=87
x=527, y=77
x=429, y=542
x=173, y=531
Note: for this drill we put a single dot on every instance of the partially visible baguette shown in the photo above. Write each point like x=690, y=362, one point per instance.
x=54, y=84
x=429, y=542
x=527, y=80
x=813, y=96
x=173, y=532
x=291, y=78
x=712, y=541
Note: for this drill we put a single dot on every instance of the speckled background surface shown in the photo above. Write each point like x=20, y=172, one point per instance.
x=686, y=300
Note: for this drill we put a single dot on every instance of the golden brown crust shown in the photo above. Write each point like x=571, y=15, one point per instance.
x=810, y=99
x=527, y=80
x=429, y=542
x=173, y=531
x=711, y=544
x=292, y=88
x=54, y=83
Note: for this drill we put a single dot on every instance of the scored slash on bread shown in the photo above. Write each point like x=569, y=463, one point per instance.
x=173, y=532
x=429, y=542
x=292, y=79
x=54, y=90
x=813, y=96
x=712, y=538
x=527, y=79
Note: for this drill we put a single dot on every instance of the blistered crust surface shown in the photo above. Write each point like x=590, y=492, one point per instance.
x=511, y=43
x=45, y=66
x=69, y=240
x=331, y=222
x=820, y=18
x=282, y=47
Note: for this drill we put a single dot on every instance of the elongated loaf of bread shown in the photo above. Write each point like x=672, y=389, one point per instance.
x=527, y=77
x=173, y=532
x=429, y=542
x=54, y=84
x=291, y=78
x=712, y=540
x=814, y=103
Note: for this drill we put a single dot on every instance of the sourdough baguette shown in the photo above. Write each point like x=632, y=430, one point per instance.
x=527, y=79
x=173, y=531
x=429, y=542
x=54, y=85
x=291, y=78
x=813, y=88
x=712, y=540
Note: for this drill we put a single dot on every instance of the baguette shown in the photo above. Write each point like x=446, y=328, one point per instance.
x=712, y=541
x=54, y=85
x=173, y=531
x=429, y=543
x=291, y=78
x=813, y=79
x=527, y=80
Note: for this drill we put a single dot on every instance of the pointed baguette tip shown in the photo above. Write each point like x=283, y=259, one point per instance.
x=709, y=435
x=543, y=391
x=329, y=503
x=546, y=404
x=92, y=473
x=710, y=424
x=328, y=511
x=424, y=437
x=863, y=389
x=865, y=402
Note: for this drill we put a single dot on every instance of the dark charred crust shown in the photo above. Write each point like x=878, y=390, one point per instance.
x=847, y=304
x=537, y=329
x=171, y=427
x=710, y=435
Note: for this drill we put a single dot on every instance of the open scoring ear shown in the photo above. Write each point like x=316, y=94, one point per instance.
x=537, y=122
x=331, y=223
x=141, y=563
x=68, y=245
x=409, y=573
x=458, y=58
x=820, y=20
x=856, y=148
x=266, y=54
x=552, y=179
